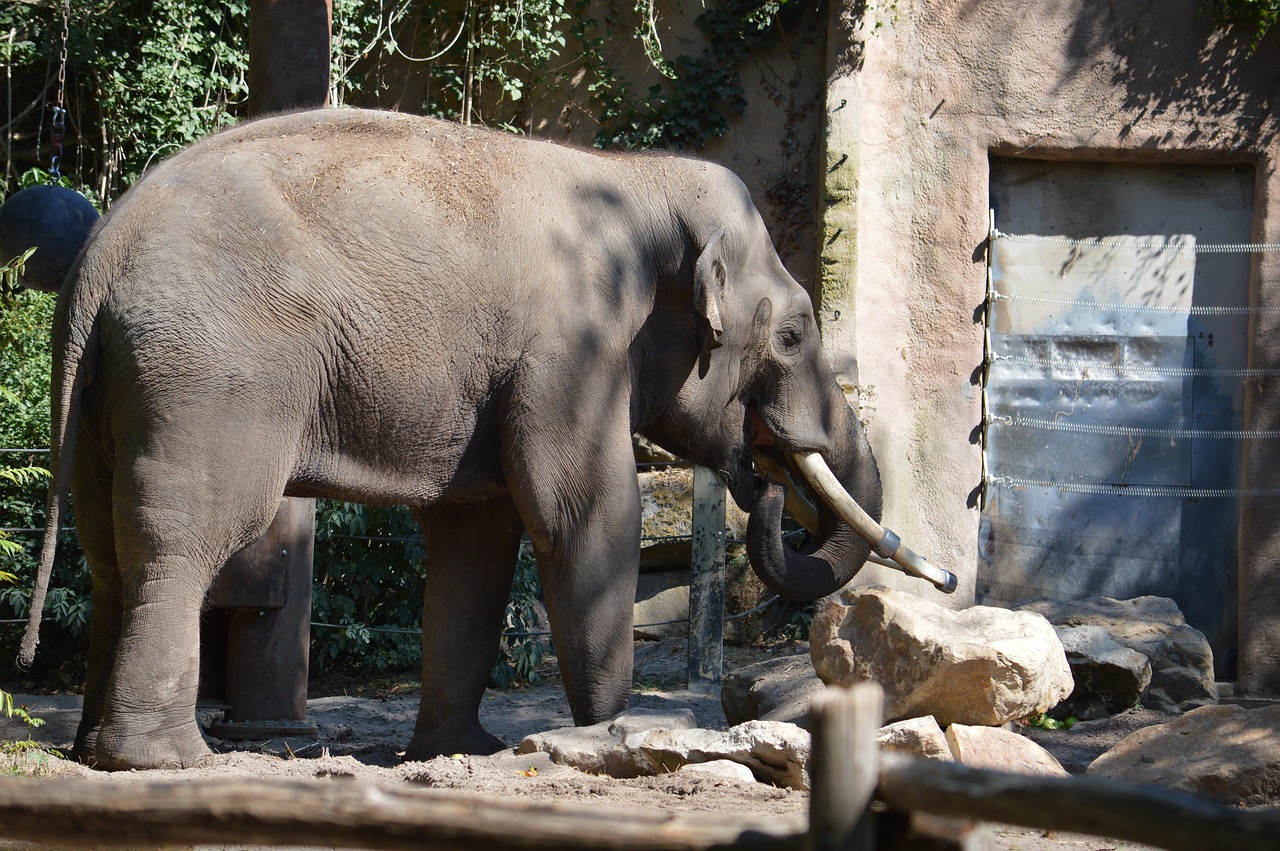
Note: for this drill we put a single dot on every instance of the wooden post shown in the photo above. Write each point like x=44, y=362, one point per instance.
x=288, y=55
x=844, y=767
x=267, y=636
x=706, y=583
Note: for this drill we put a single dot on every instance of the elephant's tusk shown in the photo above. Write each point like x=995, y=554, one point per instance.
x=798, y=506
x=883, y=541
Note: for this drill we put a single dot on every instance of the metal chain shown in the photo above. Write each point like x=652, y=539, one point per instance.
x=59, y=111
x=1100, y=242
x=1127, y=369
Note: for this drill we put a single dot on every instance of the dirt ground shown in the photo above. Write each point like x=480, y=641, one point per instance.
x=364, y=736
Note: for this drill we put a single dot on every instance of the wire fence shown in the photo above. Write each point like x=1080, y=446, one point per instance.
x=1114, y=382
x=418, y=539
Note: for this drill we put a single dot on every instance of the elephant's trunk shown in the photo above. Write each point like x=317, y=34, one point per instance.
x=836, y=551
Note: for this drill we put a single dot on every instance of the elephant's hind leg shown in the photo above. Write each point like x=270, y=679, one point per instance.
x=471, y=558
x=173, y=531
x=91, y=488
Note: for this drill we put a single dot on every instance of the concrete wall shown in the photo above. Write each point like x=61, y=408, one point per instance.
x=773, y=146
x=915, y=111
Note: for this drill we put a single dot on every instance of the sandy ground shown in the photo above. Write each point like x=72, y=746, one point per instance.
x=364, y=737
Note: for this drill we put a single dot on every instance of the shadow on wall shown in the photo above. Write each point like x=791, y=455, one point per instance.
x=1173, y=58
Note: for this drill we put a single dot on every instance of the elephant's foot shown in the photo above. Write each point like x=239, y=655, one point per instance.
x=114, y=750
x=473, y=740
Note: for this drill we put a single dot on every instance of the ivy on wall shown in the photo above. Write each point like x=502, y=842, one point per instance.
x=692, y=103
x=1254, y=17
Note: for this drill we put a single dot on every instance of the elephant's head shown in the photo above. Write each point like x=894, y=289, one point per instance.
x=762, y=387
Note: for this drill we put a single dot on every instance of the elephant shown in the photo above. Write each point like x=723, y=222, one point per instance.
x=392, y=309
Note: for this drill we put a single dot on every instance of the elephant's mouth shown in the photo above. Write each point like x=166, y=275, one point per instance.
x=782, y=466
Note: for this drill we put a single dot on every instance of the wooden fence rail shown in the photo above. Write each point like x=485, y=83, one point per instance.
x=847, y=770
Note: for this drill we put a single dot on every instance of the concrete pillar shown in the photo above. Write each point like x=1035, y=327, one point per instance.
x=1258, y=577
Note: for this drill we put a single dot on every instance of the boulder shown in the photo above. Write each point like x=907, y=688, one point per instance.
x=1181, y=661
x=1225, y=752
x=662, y=605
x=773, y=690
x=982, y=665
x=666, y=499
x=719, y=769
x=775, y=752
x=666, y=517
x=1000, y=750
x=920, y=737
x=603, y=748
x=1109, y=677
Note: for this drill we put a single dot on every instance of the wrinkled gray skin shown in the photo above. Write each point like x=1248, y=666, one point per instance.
x=389, y=309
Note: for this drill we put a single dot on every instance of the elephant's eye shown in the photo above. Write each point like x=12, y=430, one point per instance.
x=789, y=338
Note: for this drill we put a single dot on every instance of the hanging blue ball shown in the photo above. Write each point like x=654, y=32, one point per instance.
x=55, y=220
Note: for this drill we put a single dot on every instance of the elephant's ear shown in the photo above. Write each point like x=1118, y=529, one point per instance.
x=708, y=286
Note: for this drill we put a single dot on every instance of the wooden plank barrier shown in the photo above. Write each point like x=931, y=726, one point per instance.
x=1110, y=808
x=846, y=770
x=353, y=814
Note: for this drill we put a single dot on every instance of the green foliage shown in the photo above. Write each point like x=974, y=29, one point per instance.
x=1255, y=17
x=368, y=574
x=797, y=627
x=472, y=62
x=1044, y=722
x=23, y=749
x=26, y=317
x=521, y=654
x=690, y=106
x=146, y=77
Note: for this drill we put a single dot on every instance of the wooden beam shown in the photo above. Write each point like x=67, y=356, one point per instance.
x=1118, y=810
x=353, y=814
x=706, y=584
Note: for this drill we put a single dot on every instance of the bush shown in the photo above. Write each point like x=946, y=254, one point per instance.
x=25, y=319
x=369, y=576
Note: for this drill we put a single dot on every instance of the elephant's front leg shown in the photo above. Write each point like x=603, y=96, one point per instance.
x=583, y=513
x=471, y=558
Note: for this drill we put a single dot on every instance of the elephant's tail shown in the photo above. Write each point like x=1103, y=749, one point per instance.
x=75, y=350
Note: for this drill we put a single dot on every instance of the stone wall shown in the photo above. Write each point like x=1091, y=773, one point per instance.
x=918, y=109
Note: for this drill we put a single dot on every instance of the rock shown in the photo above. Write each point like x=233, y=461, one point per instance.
x=1000, y=750
x=773, y=690
x=775, y=752
x=603, y=748
x=666, y=512
x=981, y=665
x=1227, y=753
x=1109, y=677
x=920, y=737
x=1181, y=661
x=720, y=769
x=666, y=498
x=662, y=605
